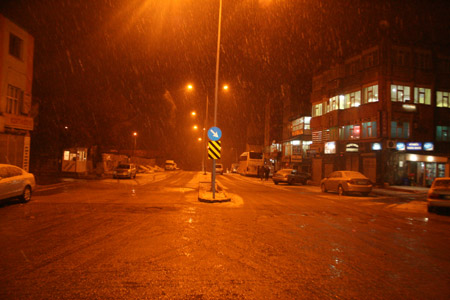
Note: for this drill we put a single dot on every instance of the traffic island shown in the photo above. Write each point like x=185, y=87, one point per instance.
x=205, y=193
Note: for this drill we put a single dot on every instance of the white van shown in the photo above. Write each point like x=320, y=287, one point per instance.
x=170, y=165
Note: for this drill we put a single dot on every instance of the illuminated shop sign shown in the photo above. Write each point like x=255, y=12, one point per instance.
x=352, y=147
x=400, y=147
x=414, y=146
x=330, y=148
x=376, y=146
x=428, y=146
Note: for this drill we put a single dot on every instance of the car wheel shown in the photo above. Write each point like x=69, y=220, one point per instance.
x=431, y=209
x=290, y=182
x=341, y=190
x=323, y=188
x=26, y=194
x=276, y=182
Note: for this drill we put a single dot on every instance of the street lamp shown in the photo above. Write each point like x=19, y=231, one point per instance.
x=135, y=137
x=213, y=180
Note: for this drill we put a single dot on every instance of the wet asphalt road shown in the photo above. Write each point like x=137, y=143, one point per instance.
x=152, y=239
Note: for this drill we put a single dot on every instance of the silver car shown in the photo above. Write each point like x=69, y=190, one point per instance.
x=346, y=182
x=439, y=194
x=15, y=182
x=125, y=170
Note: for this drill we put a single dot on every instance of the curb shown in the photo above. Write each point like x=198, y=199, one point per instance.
x=205, y=193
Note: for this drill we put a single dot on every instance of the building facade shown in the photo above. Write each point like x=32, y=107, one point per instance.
x=16, y=76
x=384, y=112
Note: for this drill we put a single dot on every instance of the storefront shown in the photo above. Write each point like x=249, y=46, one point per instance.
x=423, y=169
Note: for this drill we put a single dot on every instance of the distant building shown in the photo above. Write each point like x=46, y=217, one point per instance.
x=386, y=113
x=16, y=75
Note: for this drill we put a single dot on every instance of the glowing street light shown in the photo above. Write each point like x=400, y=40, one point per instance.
x=195, y=127
x=193, y=113
x=135, y=137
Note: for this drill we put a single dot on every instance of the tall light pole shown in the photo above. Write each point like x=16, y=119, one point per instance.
x=135, y=137
x=213, y=179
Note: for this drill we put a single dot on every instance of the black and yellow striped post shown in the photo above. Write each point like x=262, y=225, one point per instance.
x=214, y=149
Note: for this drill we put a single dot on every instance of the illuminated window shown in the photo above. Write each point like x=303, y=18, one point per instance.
x=350, y=132
x=400, y=93
x=352, y=99
x=399, y=130
x=66, y=155
x=333, y=104
x=442, y=99
x=317, y=110
x=370, y=94
x=422, y=96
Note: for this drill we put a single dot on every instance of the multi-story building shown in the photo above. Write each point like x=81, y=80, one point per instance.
x=296, y=144
x=16, y=75
x=386, y=113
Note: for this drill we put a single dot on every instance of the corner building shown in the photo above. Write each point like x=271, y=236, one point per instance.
x=16, y=76
x=385, y=113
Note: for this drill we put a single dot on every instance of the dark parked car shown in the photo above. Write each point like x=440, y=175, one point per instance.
x=125, y=171
x=298, y=177
x=290, y=176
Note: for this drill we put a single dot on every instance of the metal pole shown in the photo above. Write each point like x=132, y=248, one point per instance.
x=204, y=136
x=213, y=181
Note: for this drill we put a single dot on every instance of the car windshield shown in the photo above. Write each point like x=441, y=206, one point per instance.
x=442, y=182
x=123, y=166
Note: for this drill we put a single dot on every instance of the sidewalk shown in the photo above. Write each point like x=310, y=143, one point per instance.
x=400, y=189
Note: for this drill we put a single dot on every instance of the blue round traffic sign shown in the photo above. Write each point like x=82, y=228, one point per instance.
x=214, y=133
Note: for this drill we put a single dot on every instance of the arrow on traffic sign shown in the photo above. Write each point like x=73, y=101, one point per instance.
x=215, y=134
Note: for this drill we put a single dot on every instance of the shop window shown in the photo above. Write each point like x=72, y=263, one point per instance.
x=442, y=99
x=442, y=133
x=370, y=94
x=400, y=130
x=422, y=96
x=400, y=93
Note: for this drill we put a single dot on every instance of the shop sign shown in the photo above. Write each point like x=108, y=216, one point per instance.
x=352, y=147
x=376, y=146
x=428, y=146
x=401, y=147
x=414, y=146
x=330, y=148
x=18, y=122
